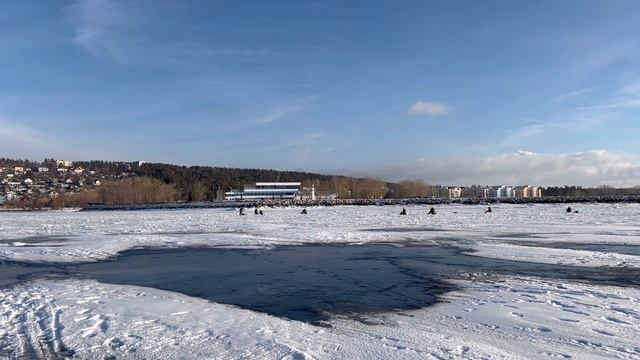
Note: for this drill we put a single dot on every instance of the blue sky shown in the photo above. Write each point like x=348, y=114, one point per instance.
x=446, y=91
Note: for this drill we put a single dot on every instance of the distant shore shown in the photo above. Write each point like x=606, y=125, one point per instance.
x=366, y=202
x=343, y=202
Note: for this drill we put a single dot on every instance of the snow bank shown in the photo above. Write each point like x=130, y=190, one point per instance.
x=510, y=319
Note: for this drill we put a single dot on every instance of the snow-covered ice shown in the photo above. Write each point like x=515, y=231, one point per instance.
x=495, y=317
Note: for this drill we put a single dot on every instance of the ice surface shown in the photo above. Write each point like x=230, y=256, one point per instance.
x=86, y=236
x=508, y=316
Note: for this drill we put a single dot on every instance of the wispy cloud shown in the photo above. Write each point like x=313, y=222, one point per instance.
x=590, y=168
x=16, y=138
x=308, y=142
x=21, y=141
x=524, y=133
x=574, y=94
x=427, y=108
x=582, y=118
x=274, y=115
x=125, y=32
x=268, y=117
x=99, y=26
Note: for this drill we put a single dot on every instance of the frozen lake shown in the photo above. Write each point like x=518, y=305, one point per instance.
x=343, y=282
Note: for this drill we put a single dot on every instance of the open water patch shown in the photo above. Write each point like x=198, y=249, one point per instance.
x=312, y=282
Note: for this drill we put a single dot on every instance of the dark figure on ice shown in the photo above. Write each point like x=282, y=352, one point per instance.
x=260, y=212
x=304, y=211
x=488, y=210
x=256, y=211
x=403, y=212
x=241, y=211
x=432, y=211
x=568, y=209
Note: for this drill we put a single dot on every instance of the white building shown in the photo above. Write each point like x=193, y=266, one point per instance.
x=265, y=191
x=64, y=163
x=507, y=192
x=501, y=192
x=455, y=192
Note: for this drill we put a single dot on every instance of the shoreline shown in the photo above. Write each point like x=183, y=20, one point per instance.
x=340, y=202
x=363, y=202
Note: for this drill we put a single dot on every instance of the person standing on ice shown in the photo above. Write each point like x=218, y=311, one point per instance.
x=432, y=211
x=241, y=211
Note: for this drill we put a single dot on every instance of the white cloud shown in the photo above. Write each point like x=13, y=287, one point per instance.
x=427, y=108
x=590, y=168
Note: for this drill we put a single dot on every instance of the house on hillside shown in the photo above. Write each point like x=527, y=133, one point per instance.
x=64, y=163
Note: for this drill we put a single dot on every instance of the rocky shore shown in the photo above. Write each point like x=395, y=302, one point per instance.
x=366, y=202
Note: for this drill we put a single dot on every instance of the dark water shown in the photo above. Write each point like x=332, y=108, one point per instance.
x=312, y=282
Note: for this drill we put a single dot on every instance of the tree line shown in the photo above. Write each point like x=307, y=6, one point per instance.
x=579, y=191
x=157, y=183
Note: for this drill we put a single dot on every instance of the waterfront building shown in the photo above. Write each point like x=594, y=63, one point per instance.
x=534, y=191
x=265, y=191
x=475, y=191
x=521, y=192
x=455, y=192
x=507, y=192
x=440, y=192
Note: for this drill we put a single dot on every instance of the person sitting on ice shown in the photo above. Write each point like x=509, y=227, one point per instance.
x=241, y=211
x=403, y=212
x=432, y=211
x=569, y=209
x=488, y=210
x=256, y=211
x=304, y=211
x=260, y=212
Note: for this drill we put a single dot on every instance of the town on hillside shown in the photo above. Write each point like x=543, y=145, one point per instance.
x=23, y=183
x=64, y=183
